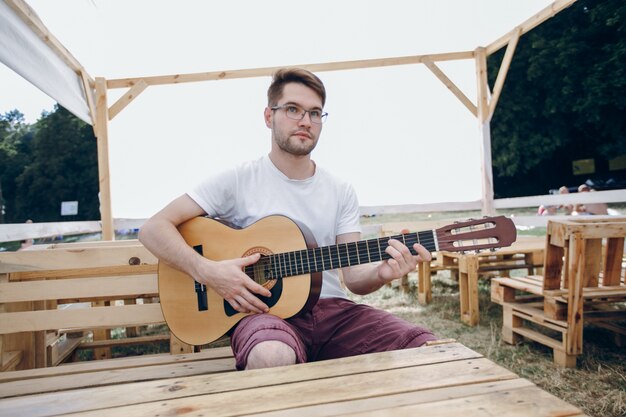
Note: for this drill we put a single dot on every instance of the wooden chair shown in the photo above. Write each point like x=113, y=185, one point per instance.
x=583, y=281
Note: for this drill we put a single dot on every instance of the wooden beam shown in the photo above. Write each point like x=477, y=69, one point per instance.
x=102, y=121
x=268, y=71
x=451, y=86
x=530, y=24
x=89, y=95
x=28, y=16
x=504, y=69
x=483, y=121
x=125, y=100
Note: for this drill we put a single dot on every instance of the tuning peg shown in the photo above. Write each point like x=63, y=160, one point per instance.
x=477, y=251
x=492, y=249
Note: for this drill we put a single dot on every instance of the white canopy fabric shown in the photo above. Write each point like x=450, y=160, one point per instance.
x=26, y=54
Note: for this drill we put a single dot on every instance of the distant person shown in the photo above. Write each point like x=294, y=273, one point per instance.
x=567, y=208
x=592, y=208
x=26, y=243
x=547, y=210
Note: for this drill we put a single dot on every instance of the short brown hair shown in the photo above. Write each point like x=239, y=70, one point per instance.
x=294, y=75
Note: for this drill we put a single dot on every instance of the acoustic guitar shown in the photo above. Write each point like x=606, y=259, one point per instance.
x=290, y=266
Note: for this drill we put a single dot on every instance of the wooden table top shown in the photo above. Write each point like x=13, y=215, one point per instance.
x=440, y=380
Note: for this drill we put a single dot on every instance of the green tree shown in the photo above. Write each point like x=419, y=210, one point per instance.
x=15, y=154
x=64, y=167
x=564, y=99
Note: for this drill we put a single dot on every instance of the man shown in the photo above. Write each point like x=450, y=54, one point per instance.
x=288, y=182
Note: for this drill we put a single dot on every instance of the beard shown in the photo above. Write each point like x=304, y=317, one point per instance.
x=292, y=144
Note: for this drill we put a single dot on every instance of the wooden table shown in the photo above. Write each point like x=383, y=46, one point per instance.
x=440, y=380
x=526, y=253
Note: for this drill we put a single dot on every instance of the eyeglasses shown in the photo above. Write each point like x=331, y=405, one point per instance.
x=295, y=112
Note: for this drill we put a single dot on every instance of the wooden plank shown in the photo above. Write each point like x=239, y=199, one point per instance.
x=87, y=318
x=519, y=285
x=577, y=266
x=334, y=389
x=612, y=270
x=530, y=23
x=540, y=337
x=10, y=360
x=75, y=258
x=397, y=400
x=451, y=86
x=268, y=71
x=125, y=100
x=487, y=208
x=520, y=402
x=59, y=351
x=117, y=364
x=102, y=378
x=102, y=137
x=419, y=365
x=137, y=340
x=534, y=312
x=83, y=272
x=504, y=69
x=110, y=287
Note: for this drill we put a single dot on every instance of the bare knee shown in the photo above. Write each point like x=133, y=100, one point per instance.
x=269, y=354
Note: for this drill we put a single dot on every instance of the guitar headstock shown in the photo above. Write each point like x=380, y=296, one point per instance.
x=477, y=234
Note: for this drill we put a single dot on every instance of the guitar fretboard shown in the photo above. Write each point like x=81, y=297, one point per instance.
x=306, y=261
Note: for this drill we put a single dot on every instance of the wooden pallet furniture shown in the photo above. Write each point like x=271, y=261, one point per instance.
x=438, y=380
x=526, y=254
x=583, y=281
x=53, y=297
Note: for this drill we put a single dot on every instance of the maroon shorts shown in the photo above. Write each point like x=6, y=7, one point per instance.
x=334, y=328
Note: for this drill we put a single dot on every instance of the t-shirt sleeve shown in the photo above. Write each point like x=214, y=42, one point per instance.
x=216, y=194
x=349, y=215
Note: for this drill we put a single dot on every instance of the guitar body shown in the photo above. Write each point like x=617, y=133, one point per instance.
x=218, y=241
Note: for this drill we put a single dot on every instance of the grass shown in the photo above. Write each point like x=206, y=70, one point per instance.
x=597, y=385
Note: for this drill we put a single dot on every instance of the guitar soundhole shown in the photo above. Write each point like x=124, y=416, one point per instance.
x=259, y=275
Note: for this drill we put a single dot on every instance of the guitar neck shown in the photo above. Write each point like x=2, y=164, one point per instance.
x=306, y=261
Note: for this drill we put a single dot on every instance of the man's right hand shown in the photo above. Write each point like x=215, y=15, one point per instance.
x=229, y=281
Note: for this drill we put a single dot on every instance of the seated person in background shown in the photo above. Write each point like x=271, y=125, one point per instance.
x=567, y=208
x=546, y=210
x=592, y=208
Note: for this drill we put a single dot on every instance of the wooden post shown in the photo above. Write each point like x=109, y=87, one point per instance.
x=576, y=267
x=102, y=133
x=485, y=131
x=468, y=289
x=424, y=291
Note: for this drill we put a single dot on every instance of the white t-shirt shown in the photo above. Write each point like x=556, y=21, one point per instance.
x=257, y=189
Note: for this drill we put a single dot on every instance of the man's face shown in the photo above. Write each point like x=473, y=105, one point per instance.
x=296, y=137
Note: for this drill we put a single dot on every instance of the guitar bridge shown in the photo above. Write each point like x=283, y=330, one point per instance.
x=203, y=303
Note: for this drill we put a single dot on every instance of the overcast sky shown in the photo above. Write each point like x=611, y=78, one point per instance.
x=396, y=133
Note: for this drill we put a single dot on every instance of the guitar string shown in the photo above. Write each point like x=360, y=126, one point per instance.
x=286, y=267
x=284, y=264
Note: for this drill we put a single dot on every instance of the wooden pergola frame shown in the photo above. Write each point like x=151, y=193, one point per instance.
x=483, y=108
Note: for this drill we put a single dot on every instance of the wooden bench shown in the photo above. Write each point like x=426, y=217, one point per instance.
x=57, y=300
x=526, y=254
x=583, y=280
